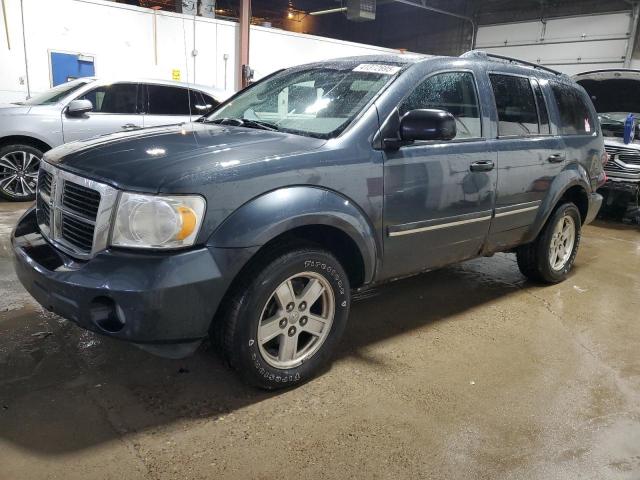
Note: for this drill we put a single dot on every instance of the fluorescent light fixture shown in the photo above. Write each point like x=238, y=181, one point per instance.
x=328, y=11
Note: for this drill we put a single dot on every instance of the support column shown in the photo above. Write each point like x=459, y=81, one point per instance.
x=243, y=47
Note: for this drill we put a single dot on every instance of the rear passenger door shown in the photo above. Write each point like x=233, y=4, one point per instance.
x=530, y=155
x=167, y=105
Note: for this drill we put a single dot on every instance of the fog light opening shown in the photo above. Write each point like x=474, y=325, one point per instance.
x=106, y=314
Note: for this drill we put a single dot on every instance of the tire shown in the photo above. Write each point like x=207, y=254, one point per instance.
x=535, y=259
x=19, y=165
x=261, y=307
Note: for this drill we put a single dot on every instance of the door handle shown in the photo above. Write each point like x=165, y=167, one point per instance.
x=482, y=166
x=130, y=126
x=556, y=158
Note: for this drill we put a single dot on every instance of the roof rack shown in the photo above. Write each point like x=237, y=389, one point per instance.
x=483, y=54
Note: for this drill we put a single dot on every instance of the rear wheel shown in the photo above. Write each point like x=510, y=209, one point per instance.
x=550, y=257
x=285, y=317
x=19, y=172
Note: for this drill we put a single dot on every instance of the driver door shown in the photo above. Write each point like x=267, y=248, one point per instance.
x=439, y=195
x=115, y=109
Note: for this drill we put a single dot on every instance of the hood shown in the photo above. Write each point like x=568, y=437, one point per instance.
x=13, y=109
x=180, y=155
x=612, y=90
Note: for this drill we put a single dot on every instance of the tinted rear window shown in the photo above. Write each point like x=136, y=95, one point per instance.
x=575, y=116
x=517, y=111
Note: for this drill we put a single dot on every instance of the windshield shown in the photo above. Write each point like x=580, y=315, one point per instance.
x=55, y=94
x=318, y=102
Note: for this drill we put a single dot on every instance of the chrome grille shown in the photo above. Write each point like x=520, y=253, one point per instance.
x=81, y=200
x=623, y=160
x=74, y=212
x=77, y=232
x=44, y=181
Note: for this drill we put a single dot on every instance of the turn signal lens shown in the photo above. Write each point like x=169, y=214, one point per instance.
x=189, y=222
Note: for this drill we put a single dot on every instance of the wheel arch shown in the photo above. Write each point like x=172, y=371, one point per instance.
x=24, y=140
x=571, y=186
x=303, y=213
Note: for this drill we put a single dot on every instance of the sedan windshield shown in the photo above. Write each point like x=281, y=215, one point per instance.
x=55, y=94
x=319, y=102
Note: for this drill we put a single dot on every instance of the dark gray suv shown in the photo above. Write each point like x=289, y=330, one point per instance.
x=255, y=224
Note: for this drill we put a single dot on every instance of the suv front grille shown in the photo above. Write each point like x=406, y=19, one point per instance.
x=623, y=160
x=81, y=200
x=73, y=212
x=77, y=232
x=44, y=181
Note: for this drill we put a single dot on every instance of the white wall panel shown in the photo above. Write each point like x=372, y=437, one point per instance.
x=571, y=44
x=272, y=49
x=121, y=39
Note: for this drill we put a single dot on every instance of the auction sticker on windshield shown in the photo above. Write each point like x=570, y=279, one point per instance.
x=377, y=68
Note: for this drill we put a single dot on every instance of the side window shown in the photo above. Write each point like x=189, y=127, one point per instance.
x=517, y=111
x=575, y=117
x=543, y=114
x=165, y=100
x=201, y=103
x=119, y=98
x=454, y=92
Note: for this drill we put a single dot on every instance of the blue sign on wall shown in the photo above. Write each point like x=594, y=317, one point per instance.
x=69, y=66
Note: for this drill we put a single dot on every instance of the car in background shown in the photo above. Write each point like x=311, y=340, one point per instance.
x=616, y=94
x=85, y=108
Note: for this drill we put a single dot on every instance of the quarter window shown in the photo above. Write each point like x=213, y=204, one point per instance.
x=454, y=92
x=543, y=114
x=118, y=98
x=517, y=112
x=167, y=100
x=575, y=116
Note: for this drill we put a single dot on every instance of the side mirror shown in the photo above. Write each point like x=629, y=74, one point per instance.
x=423, y=124
x=77, y=108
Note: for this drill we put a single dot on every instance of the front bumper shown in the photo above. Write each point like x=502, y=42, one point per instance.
x=163, y=301
x=595, y=202
x=621, y=184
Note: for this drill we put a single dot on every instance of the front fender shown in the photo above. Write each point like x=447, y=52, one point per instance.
x=267, y=216
x=573, y=175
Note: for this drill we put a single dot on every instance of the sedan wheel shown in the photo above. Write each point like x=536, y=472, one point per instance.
x=19, y=173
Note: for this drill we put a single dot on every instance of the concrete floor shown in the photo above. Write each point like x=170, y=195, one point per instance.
x=470, y=372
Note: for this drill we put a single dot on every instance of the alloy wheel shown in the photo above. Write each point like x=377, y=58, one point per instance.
x=296, y=320
x=19, y=174
x=562, y=242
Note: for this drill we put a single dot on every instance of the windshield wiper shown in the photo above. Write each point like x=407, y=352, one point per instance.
x=243, y=122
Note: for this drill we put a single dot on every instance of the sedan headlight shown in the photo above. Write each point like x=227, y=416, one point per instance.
x=150, y=221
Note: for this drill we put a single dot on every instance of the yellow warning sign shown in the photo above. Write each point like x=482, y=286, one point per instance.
x=175, y=74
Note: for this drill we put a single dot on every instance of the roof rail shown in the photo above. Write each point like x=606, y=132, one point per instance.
x=483, y=54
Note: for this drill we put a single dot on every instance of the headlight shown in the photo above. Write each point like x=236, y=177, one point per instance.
x=149, y=221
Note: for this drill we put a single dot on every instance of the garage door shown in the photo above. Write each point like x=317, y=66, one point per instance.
x=568, y=44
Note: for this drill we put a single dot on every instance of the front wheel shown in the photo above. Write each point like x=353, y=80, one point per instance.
x=19, y=172
x=550, y=257
x=285, y=318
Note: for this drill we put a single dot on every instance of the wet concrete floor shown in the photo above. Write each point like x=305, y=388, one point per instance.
x=469, y=372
